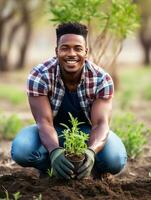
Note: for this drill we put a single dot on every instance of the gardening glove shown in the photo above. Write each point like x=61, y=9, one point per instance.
x=61, y=166
x=86, y=168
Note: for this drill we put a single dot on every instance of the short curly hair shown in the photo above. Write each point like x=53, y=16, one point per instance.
x=71, y=28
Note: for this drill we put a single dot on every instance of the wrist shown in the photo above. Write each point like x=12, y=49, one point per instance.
x=55, y=149
x=91, y=152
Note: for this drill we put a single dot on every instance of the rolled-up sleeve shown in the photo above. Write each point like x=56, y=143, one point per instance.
x=105, y=88
x=37, y=84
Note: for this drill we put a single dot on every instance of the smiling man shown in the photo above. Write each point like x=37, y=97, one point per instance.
x=69, y=83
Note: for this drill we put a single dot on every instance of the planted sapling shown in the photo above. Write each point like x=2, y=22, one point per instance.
x=75, y=142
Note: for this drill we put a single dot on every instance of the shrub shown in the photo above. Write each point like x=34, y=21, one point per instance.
x=131, y=132
x=9, y=126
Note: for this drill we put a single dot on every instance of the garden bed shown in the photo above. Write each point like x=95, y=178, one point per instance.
x=133, y=183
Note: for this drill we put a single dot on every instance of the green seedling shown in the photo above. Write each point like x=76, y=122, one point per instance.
x=7, y=195
x=75, y=140
x=17, y=196
x=39, y=198
x=50, y=172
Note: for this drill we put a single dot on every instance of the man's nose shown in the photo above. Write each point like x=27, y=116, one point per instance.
x=71, y=52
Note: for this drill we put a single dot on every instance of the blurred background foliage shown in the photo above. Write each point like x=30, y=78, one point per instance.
x=113, y=21
x=119, y=40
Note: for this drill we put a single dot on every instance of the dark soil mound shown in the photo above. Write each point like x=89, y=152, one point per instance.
x=30, y=187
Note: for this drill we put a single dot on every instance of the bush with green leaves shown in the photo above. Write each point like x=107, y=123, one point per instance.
x=10, y=125
x=132, y=133
x=75, y=140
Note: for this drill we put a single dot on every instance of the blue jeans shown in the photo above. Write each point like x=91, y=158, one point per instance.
x=28, y=151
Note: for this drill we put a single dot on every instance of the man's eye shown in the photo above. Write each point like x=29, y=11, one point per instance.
x=79, y=49
x=64, y=48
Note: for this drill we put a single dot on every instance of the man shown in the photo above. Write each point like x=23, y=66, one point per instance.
x=69, y=83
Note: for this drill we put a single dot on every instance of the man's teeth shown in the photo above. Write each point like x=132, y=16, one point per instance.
x=71, y=61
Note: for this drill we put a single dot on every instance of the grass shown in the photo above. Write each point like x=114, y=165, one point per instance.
x=12, y=94
x=147, y=92
x=135, y=84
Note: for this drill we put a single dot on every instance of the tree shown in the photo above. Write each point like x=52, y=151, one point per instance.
x=109, y=23
x=15, y=18
x=145, y=29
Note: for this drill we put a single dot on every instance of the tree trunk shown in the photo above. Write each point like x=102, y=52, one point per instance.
x=25, y=22
x=23, y=49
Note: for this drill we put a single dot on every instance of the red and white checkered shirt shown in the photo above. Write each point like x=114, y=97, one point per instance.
x=45, y=79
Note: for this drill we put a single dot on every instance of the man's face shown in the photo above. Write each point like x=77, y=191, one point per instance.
x=71, y=52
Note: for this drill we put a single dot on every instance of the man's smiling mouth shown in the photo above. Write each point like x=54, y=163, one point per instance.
x=71, y=61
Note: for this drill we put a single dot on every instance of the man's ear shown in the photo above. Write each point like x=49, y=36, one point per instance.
x=56, y=50
x=86, y=52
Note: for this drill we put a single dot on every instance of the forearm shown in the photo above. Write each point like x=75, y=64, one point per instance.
x=98, y=137
x=48, y=136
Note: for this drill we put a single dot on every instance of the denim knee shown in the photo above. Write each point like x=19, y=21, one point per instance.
x=24, y=144
x=116, y=164
x=111, y=164
x=113, y=156
x=20, y=152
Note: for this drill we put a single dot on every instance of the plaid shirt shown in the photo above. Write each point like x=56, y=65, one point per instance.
x=45, y=79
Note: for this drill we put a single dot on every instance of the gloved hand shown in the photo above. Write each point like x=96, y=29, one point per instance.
x=86, y=168
x=61, y=166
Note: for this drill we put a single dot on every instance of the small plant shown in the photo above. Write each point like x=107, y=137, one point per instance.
x=16, y=195
x=149, y=174
x=7, y=195
x=132, y=133
x=50, y=173
x=39, y=198
x=75, y=140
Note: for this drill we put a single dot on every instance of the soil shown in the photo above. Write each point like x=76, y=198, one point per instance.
x=133, y=183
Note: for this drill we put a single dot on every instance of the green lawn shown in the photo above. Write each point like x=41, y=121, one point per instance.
x=135, y=85
x=12, y=94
